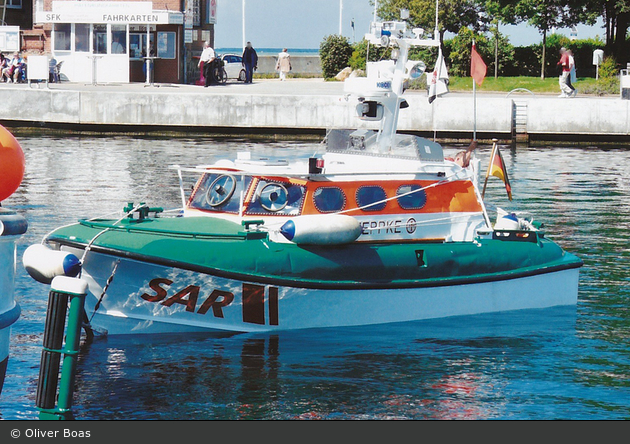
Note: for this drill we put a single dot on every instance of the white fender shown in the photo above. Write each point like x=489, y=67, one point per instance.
x=325, y=229
x=44, y=264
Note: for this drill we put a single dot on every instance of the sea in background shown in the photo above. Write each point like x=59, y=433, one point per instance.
x=558, y=363
x=269, y=51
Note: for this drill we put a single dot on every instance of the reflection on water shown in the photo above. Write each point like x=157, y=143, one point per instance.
x=417, y=370
x=561, y=363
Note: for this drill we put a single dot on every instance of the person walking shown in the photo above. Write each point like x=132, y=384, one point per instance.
x=572, y=72
x=205, y=62
x=283, y=65
x=565, y=89
x=250, y=62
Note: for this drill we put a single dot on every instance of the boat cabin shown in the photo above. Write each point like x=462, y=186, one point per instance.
x=393, y=197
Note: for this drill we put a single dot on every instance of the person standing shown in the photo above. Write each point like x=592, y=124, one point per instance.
x=205, y=62
x=250, y=62
x=565, y=89
x=117, y=47
x=283, y=65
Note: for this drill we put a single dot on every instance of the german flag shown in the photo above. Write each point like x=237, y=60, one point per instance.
x=497, y=169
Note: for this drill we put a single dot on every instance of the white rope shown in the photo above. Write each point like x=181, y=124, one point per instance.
x=435, y=184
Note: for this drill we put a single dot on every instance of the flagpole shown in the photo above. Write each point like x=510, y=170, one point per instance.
x=475, y=107
x=243, y=19
x=494, y=150
x=340, y=16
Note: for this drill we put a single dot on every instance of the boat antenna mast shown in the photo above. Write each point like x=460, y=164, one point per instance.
x=380, y=93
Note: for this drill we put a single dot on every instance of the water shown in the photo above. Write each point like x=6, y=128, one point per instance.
x=559, y=363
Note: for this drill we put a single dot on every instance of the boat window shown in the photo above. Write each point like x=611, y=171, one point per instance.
x=411, y=197
x=370, y=195
x=277, y=198
x=220, y=192
x=329, y=199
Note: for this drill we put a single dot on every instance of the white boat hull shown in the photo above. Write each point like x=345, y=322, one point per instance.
x=149, y=298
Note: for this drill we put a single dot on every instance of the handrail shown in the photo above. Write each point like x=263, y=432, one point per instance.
x=520, y=90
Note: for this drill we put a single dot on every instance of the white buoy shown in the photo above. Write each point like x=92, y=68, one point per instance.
x=44, y=264
x=325, y=229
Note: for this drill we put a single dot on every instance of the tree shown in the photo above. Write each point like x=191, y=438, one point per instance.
x=616, y=15
x=546, y=15
x=452, y=14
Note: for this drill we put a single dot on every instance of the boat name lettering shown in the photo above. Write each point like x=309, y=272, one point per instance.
x=253, y=300
x=188, y=297
x=375, y=227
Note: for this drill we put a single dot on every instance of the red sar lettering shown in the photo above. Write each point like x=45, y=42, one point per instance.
x=188, y=297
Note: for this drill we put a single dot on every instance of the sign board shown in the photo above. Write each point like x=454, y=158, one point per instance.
x=212, y=11
x=107, y=12
x=38, y=67
x=188, y=36
x=9, y=38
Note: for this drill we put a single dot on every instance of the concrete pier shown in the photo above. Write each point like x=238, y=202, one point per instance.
x=308, y=106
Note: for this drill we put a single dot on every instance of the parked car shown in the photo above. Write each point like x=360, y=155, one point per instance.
x=233, y=66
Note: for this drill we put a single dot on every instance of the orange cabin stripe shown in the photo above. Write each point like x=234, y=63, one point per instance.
x=457, y=196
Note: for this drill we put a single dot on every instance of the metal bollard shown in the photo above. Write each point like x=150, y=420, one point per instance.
x=62, y=290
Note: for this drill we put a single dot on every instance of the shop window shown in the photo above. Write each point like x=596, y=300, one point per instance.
x=138, y=45
x=276, y=198
x=82, y=37
x=415, y=200
x=329, y=199
x=14, y=4
x=166, y=45
x=62, y=36
x=100, y=39
x=371, y=197
x=119, y=39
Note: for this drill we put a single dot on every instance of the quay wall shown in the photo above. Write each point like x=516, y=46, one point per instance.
x=188, y=109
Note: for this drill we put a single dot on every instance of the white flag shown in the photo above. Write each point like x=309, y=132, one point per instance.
x=437, y=81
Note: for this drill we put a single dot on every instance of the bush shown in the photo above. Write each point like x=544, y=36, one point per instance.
x=335, y=52
x=360, y=54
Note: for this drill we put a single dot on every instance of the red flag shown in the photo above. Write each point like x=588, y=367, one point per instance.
x=477, y=67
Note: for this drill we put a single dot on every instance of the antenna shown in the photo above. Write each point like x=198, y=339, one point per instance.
x=436, y=19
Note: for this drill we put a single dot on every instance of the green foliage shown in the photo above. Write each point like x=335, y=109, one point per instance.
x=608, y=82
x=453, y=14
x=459, y=48
x=335, y=52
x=527, y=58
x=360, y=54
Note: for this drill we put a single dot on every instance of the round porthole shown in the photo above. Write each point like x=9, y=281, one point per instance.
x=220, y=190
x=274, y=197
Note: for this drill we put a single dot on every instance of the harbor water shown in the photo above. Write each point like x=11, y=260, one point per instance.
x=558, y=363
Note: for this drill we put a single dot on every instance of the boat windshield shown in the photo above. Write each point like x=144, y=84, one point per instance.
x=364, y=141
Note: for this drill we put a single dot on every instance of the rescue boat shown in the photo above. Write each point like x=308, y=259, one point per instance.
x=379, y=228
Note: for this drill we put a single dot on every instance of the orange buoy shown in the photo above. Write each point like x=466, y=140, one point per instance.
x=11, y=163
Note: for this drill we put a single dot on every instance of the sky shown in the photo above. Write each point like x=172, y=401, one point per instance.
x=304, y=24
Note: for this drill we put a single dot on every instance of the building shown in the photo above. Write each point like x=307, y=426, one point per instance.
x=106, y=41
